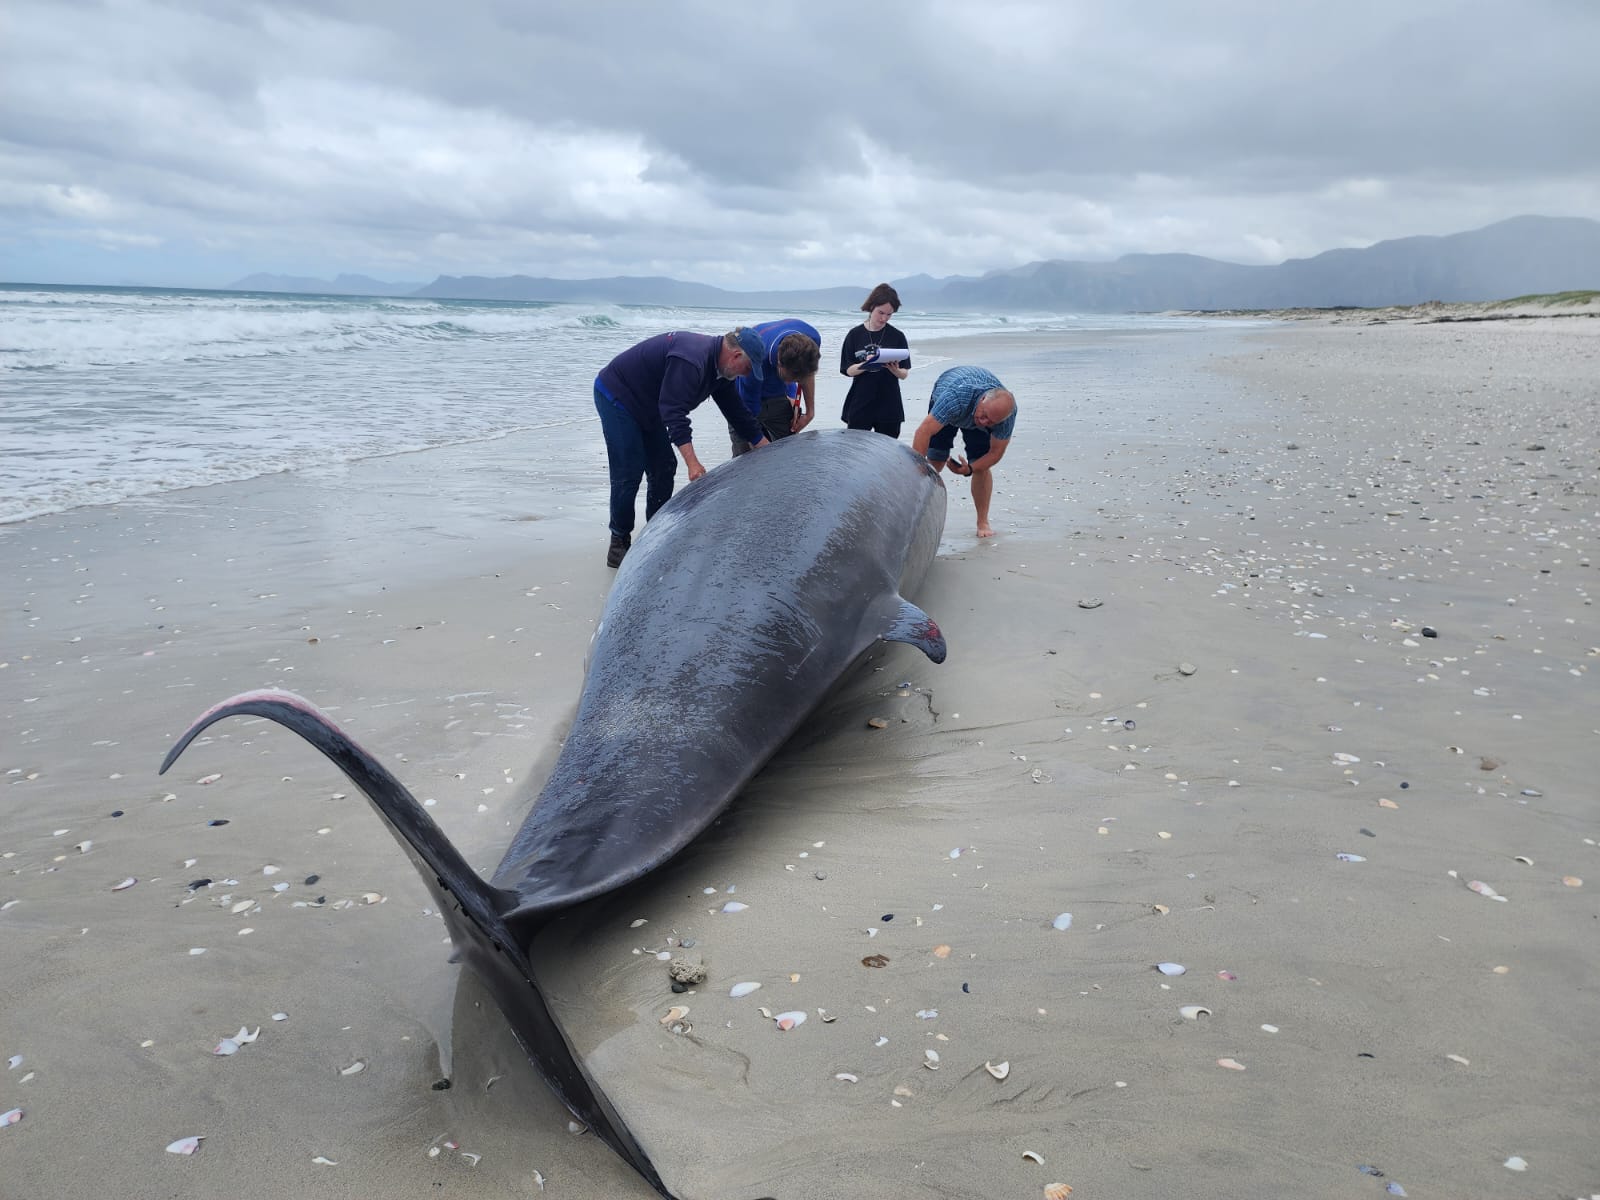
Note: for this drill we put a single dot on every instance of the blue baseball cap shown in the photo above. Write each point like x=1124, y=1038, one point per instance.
x=754, y=348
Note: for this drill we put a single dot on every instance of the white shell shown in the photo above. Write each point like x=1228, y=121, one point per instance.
x=788, y=1020
x=1193, y=1012
x=354, y=1068
x=1483, y=889
x=1516, y=1163
x=226, y=1046
x=1064, y=921
x=186, y=1145
x=1033, y=1157
x=742, y=989
x=322, y=1161
x=999, y=1070
x=13, y=1062
x=734, y=906
x=930, y=1059
x=1171, y=968
x=124, y=885
x=10, y=1117
x=846, y=1077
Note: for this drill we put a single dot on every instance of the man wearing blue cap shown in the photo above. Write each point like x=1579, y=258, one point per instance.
x=644, y=396
x=784, y=396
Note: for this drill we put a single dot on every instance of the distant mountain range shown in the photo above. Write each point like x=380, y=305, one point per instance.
x=1516, y=257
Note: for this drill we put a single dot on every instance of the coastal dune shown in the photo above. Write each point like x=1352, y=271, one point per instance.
x=1286, y=640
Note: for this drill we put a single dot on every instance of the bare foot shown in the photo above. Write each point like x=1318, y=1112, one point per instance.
x=985, y=530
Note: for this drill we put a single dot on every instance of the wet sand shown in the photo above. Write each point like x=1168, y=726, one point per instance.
x=1283, y=510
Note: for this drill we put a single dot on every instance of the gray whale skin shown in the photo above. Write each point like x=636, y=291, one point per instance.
x=750, y=594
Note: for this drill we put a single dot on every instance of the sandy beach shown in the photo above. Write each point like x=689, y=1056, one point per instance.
x=1287, y=638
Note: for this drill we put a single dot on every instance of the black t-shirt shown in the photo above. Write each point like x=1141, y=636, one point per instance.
x=875, y=393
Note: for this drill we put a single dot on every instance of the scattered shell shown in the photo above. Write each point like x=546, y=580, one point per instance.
x=1516, y=1163
x=1342, y=856
x=13, y=1062
x=1386, y=803
x=1057, y=1191
x=1193, y=1012
x=639, y=922
x=998, y=1069
x=12, y=1115
x=1187, y=668
x=354, y=1068
x=1171, y=968
x=846, y=1077
x=124, y=885
x=207, y=779
x=1483, y=889
x=1230, y=1063
x=734, y=906
x=1394, y=1189
x=927, y=1014
x=186, y=1145
x=941, y=951
x=280, y=1016
x=226, y=1047
x=242, y=906
x=930, y=1059
x=196, y=950
x=323, y=1161
x=1456, y=1058
x=875, y=960
x=1270, y=1028
x=1033, y=1156
x=1160, y=910
x=676, y=1013
x=371, y=898
x=877, y=723
x=1090, y=602
x=902, y=1090
x=1572, y=881
x=1064, y=921
x=742, y=989
x=788, y=1020
x=1524, y=860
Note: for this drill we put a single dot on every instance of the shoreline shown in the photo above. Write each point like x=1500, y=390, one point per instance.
x=1282, y=509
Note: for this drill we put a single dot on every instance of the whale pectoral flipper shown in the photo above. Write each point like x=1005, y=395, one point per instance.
x=911, y=625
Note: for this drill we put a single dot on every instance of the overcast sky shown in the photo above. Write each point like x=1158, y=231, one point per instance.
x=765, y=144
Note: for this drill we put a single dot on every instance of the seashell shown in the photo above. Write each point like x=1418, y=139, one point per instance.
x=1171, y=968
x=846, y=1077
x=788, y=1020
x=1270, y=1028
x=1230, y=1063
x=354, y=1068
x=902, y=1090
x=280, y=1016
x=999, y=1070
x=270, y=870
x=930, y=1059
x=1483, y=889
x=734, y=906
x=13, y=1062
x=676, y=1013
x=1227, y=976
x=826, y=1019
x=1057, y=1191
x=12, y=1115
x=875, y=960
x=639, y=922
x=186, y=1145
x=1064, y=921
x=323, y=1161
x=1516, y=1163
x=1456, y=1058
x=882, y=1041
x=927, y=1014
x=242, y=906
x=1033, y=1157
x=371, y=898
x=742, y=989
x=1193, y=1012
x=124, y=885
x=206, y=779
x=1385, y=803
x=877, y=723
x=1342, y=856
x=1345, y=758
x=1572, y=881
x=226, y=1047
x=1160, y=910
x=1524, y=860
x=941, y=951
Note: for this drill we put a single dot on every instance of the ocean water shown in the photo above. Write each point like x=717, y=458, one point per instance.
x=112, y=393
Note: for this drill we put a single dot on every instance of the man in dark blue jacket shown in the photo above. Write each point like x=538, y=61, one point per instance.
x=784, y=396
x=644, y=396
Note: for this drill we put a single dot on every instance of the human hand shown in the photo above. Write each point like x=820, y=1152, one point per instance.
x=868, y=356
x=802, y=418
x=960, y=466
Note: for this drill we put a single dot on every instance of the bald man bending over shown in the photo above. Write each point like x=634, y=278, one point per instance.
x=975, y=402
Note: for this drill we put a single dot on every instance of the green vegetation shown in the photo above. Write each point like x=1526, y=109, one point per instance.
x=1550, y=299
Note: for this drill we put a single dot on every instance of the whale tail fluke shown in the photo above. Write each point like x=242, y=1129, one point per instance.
x=475, y=912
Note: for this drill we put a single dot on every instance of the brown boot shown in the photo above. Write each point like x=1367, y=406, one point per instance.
x=619, y=547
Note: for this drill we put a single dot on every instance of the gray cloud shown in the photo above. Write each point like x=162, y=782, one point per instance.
x=771, y=145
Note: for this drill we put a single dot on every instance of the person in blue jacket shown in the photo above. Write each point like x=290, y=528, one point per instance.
x=784, y=397
x=644, y=396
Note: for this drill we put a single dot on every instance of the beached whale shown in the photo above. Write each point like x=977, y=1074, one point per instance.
x=748, y=597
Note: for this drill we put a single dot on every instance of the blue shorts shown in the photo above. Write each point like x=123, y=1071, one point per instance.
x=974, y=441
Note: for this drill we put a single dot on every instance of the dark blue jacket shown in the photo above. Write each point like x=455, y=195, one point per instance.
x=751, y=391
x=661, y=379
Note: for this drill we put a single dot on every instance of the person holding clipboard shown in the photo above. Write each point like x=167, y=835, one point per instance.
x=865, y=359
